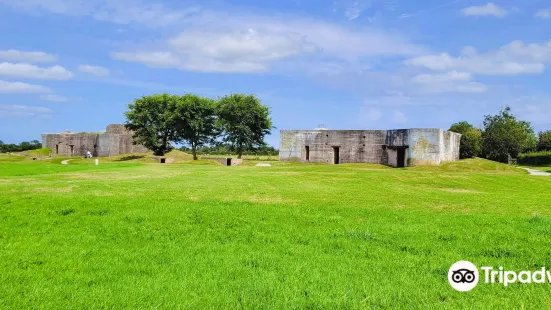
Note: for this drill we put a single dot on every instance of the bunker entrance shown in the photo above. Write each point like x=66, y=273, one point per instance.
x=228, y=161
x=57, y=148
x=72, y=150
x=163, y=160
x=401, y=158
x=307, y=149
x=336, y=155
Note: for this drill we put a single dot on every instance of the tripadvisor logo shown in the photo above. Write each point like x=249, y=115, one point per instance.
x=463, y=276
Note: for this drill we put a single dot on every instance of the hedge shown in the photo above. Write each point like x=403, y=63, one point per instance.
x=535, y=158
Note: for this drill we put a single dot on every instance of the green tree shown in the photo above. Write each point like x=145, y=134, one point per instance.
x=544, y=141
x=152, y=120
x=505, y=136
x=244, y=120
x=471, y=137
x=195, y=120
x=25, y=146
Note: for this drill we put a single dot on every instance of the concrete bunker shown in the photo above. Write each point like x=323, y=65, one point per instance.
x=395, y=148
x=115, y=140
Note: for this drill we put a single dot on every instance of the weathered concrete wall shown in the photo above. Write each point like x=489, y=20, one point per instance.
x=68, y=144
x=424, y=146
x=115, y=141
x=419, y=146
x=354, y=146
x=449, y=148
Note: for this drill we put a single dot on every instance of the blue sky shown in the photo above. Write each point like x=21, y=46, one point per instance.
x=76, y=64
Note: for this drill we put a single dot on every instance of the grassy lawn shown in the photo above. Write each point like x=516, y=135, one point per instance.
x=139, y=235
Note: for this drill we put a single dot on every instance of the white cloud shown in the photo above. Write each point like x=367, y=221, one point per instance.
x=371, y=114
x=21, y=88
x=225, y=42
x=399, y=117
x=386, y=101
x=94, y=70
x=55, y=98
x=26, y=70
x=535, y=108
x=512, y=59
x=352, y=9
x=15, y=55
x=489, y=9
x=441, y=78
x=151, y=59
x=471, y=87
x=543, y=14
x=22, y=110
x=149, y=13
x=450, y=82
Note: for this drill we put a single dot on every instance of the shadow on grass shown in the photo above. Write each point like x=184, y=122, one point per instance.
x=131, y=157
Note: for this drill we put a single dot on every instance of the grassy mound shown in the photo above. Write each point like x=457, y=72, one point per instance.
x=473, y=165
x=38, y=152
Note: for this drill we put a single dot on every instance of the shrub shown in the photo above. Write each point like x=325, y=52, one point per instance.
x=535, y=158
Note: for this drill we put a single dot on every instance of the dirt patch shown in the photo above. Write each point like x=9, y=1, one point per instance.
x=120, y=176
x=338, y=179
x=454, y=208
x=460, y=191
x=261, y=199
x=67, y=189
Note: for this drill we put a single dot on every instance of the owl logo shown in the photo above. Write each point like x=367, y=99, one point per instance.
x=463, y=276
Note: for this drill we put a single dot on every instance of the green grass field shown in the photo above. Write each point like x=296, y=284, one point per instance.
x=128, y=234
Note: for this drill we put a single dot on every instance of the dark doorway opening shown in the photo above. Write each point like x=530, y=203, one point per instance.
x=57, y=148
x=307, y=148
x=228, y=161
x=163, y=160
x=72, y=150
x=336, y=155
x=401, y=158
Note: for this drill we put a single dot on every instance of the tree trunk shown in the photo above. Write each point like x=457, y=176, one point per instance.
x=239, y=150
x=194, y=151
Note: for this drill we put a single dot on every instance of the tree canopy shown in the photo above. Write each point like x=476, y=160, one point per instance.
x=152, y=119
x=244, y=120
x=159, y=120
x=504, y=135
x=195, y=120
x=471, y=139
x=544, y=140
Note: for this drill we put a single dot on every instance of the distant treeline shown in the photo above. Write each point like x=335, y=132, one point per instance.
x=504, y=137
x=21, y=147
x=227, y=149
